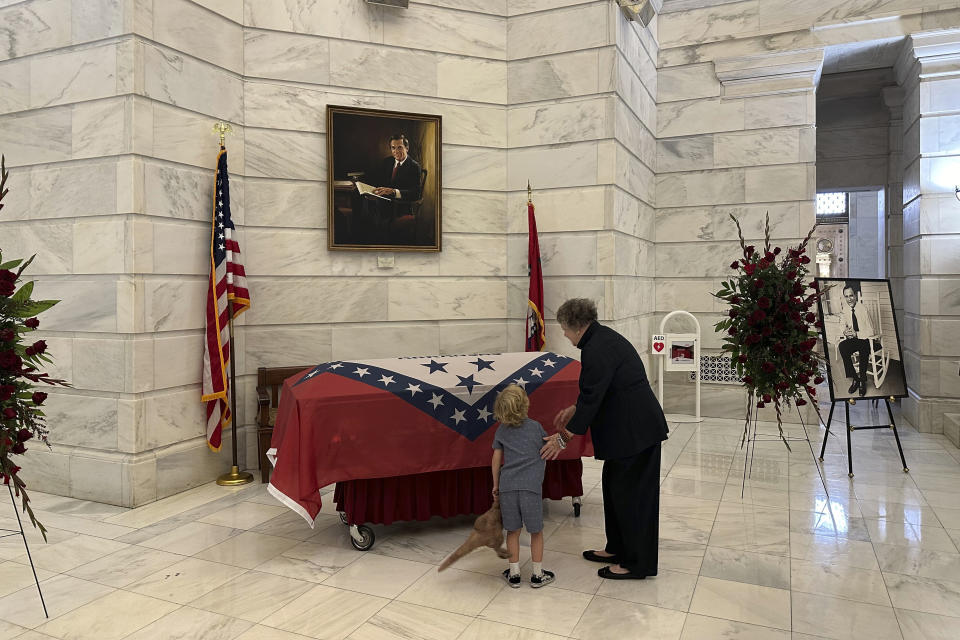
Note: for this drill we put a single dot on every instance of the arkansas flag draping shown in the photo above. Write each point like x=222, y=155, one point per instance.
x=535, y=328
x=364, y=419
x=227, y=283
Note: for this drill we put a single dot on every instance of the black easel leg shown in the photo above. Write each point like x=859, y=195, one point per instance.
x=27, y=546
x=893, y=425
x=826, y=434
x=846, y=407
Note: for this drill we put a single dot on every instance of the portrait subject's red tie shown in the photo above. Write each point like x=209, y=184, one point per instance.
x=393, y=176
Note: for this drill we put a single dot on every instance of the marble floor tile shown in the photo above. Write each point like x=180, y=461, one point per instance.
x=187, y=622
x=112, y=617
x=399, y=621
x=190, y=538
x=839, y=581
x=311, y=561
x=456, y=591
x=379, y=575
x=758, y=495
x=947, y=518
x=691, y=488
x=15, y=576
x=915, y=561
x=247, y=550
x=687, y=507
x=81, y=525
x=71, y=553
x=685, y=557
x=10, y=630
x=764, y=606
x=882, y=493
x=176, y=504
x=291, y=525
x=924, y=594
x=326, y=612
x=682, y=471
x=760, y=532
x=185, y=581
x=609, y=618
x=838, y=619
x=668, y=590
x=895, y=512
x=575, y=540
x=245, y=515
x=933, y=538
x=830, y=523
x=699, y=627
x=537, y=608
x=62, y=594
x=125, y=566
x=828, y=549
x=743, y=566
x=682, y=529
x=252, y=596
x=481, y=629
x=260, y=632
x=927, y=626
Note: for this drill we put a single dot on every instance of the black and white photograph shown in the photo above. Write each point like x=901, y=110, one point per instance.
x=861, y=341
x=383, y=180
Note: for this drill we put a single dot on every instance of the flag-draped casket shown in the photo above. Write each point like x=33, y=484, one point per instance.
x=368, y=421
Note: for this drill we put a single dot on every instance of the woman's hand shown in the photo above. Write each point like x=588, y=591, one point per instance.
x=551, y=449
x=564, y=416
x=496, y=493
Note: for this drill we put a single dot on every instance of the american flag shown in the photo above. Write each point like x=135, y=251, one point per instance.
x=228, y=282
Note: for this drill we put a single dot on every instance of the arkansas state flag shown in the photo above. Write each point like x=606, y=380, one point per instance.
x=535, y=328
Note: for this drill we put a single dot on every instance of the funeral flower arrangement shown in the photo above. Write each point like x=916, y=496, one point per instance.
x=21, y=416
x=772, y=328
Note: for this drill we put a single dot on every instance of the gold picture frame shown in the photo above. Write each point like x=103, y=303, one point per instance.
x=383, y=180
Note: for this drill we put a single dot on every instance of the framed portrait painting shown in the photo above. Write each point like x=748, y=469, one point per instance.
x=861, y=340
x=383, y=180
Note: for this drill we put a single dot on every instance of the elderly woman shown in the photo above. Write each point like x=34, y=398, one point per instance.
x=627, y=426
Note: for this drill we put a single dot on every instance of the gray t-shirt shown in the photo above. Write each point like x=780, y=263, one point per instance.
x=522, y=465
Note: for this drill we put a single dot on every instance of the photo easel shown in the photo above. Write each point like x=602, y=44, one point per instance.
x=851, y=429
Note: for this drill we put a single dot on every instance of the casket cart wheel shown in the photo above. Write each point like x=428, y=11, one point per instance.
x=576, y=506
x=362, y=538
x=343, y=517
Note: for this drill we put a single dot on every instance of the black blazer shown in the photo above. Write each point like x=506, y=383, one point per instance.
x=615, y=399
x=407, y=180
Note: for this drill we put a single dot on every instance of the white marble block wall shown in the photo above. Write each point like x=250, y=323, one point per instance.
x=931, y=231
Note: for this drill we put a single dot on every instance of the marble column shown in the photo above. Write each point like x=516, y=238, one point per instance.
x=929, y=71
x=736, y=136
x=893, y=100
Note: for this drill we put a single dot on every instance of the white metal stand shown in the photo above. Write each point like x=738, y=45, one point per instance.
x=669, y=338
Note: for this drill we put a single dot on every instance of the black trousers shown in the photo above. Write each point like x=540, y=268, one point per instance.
x=631, y=509
x=849, y=347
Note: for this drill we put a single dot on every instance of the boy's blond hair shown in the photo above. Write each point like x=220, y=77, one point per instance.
x=511, y=406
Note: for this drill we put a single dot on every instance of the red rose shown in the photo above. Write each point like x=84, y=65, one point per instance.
x=747, y=380
x=9, y=360
x=768, y=367
x=732, y=331
x=7, y=335
x=749, y=269
x=766, y=397
x=779, y=348
x=763, y=302
x=766, y=331
x=18, y=448
x=24, y=434
x=733, y=313
x=764, y=264
x=776, y=251
x=810, y=317
x=734, y=265
x=760, y=405
x=33, y=323
x=818, y=380
x=8, y=282
x=814, y=286
x=758, y=315
x=805, y=260
x=748, y=250
x=758, y=283
x=38, y=397
x=769, y=257
x=13, y=470
x=735, y=300
x=9, y=413
x=801, y=402
x=791, y=275
x=741, y=358
x=39, y=346
x=6, y=391
x=818, y=324
x=753, y=339
x=803, y=378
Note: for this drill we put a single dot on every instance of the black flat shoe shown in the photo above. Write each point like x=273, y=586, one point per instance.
x=610, y=575
x=592, y=556
x=863, y=388
x=853, y=388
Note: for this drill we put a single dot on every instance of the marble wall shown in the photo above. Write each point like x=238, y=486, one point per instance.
x=106, y=111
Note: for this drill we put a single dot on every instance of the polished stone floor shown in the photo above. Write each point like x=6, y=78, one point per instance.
x=877, y=559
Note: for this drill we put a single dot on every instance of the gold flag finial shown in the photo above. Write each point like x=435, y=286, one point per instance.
x=222, y=129
x=529, y=193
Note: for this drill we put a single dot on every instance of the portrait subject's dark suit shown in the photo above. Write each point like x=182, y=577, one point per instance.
x=406, y=181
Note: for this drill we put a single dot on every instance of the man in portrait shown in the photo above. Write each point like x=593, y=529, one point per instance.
x=397, y=177
x=856, y=327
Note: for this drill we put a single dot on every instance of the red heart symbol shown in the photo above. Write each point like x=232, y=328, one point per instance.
x=658, y=346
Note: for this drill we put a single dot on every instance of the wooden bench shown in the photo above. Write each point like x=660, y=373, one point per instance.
x=269, y=382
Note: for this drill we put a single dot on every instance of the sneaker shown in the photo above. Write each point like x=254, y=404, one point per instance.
x=513, y=581
x=542, y=580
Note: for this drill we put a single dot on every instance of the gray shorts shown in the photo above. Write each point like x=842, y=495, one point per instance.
x=521, y=509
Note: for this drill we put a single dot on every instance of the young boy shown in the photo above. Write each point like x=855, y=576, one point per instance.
x=519, y=483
